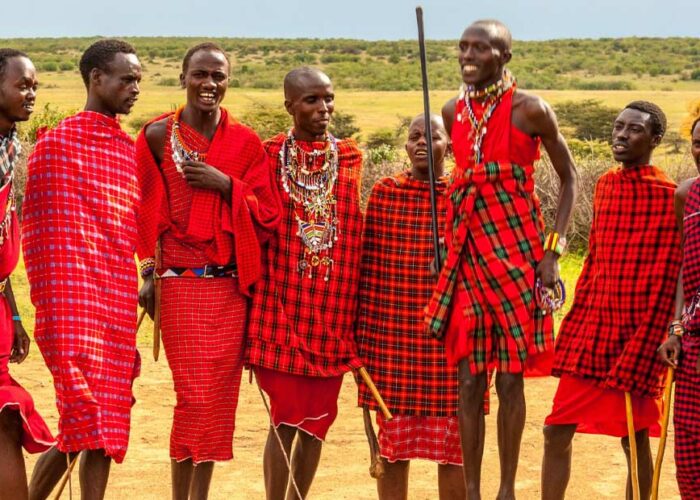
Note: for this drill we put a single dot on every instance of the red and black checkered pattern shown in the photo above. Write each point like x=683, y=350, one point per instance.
x=303, y=325
x=216, y=231
x=79, y=237
x=624, y=296
x=686, y=420
x=409, y=367
x=691, y=251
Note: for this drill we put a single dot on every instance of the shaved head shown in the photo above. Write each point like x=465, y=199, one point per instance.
x=498, y=32
x=436, y=123
x=301, y=78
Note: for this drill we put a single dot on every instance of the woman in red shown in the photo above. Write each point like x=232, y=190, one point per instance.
x=20, y=425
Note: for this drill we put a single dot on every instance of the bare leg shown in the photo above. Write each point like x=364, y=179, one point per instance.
x=451, y=482
x=274, y=465
x=556, y=464
x=94, y=474
x=48, y=471
x=307, y=454
x=393, y=485
x=201, y=480
x=471, y=426
x=511, y=422
x=13, y=475
x=181, y=477
x=644, y=462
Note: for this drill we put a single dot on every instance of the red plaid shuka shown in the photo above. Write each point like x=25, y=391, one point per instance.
x=409, y=368
x=203, y=319
x=79, y=237
x=303, y=325
x=494, y=240
x=216, y=230
x=624, y=295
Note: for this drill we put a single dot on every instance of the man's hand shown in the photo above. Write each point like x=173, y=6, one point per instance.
x=20, y=346
x=548, y=270
x=202, y=175
x=147, y=296
x=670, y=351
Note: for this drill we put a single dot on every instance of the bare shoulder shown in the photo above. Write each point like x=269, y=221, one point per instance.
x=155, y=137
x=448, y=114
x=683, y=189
x=531, y=105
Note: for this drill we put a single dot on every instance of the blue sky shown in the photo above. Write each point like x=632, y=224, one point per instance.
x=366, y=19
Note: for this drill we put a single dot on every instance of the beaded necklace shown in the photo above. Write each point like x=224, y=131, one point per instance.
x=182, y=153
x=310, y=187
x=492, y=97
x=10, y=149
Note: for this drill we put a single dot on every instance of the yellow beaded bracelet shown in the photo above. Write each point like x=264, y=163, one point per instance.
x=555, y=243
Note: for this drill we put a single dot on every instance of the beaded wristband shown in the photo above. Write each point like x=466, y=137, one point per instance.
x=555, y=243
x=549, y=300
x=147, y=267
x=676, y=328
x=16, y=318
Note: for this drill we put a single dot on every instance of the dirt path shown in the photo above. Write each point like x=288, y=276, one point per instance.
x=598, y=464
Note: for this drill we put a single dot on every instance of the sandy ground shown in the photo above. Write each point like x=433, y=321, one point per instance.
x=598, y=463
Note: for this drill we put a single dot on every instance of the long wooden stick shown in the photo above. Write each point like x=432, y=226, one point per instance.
x=375, y=393
x=632, y=436
x=429, y=138
x=65, y=477
x=156, y=313
x=668, y=390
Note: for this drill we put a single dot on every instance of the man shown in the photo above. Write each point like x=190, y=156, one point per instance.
x=300, y=337
x=484, y=302
x=408, y=367
x=208, y=198
x=684, y=335
x=79, y=232
x=606, y=345
x=20, y=424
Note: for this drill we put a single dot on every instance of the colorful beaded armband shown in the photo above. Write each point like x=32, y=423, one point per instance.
x=147, y=266
x=676, y=328
x=555, y=243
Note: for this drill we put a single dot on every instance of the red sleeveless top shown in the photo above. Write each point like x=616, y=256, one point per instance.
x=503, y=141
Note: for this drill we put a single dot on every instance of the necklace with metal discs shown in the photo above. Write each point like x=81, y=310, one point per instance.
x=180, y=152
x=492, y=97
x=309, y=178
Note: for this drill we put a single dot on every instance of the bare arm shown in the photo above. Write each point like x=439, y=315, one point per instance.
x=20, y=345
x=448, y=114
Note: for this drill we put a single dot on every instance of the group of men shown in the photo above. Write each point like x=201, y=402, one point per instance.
x=257, y=254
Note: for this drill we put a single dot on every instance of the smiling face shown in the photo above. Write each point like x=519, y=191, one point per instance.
x=482, y=56
x=18, y=86
x=206, y=80
x=310, y=101
x=117, y=89
x=417, y=146
x=633, y=139
x=695, y=144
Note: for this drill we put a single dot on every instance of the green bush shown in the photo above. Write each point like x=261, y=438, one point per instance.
x=169, y=82
x=48, y=117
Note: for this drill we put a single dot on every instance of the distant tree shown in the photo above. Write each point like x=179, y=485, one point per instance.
x=266, y=120
x=676, y=142
x=343, y=125
x=587, y=120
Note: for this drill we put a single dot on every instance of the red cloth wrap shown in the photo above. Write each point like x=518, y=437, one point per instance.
x=624, y=296
x=223, y=230
x=36, y=436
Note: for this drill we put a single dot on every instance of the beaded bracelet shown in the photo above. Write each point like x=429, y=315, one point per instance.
x=147, y=267
x=676, y=328
x=555, y=243
x=548, y=299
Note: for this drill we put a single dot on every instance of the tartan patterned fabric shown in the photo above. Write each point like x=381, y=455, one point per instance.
x=215, y=231
x=10, y=149
x=203, y=319
x=691, y=252
x=303, y=325
x=79, y=237
x=624, y=295
x=408, y=367
x=408, y=437
x=686, y=420
x=494, y=240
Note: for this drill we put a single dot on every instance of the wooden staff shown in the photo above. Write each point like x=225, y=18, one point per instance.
x=429, y=138
x=66, y=476
x=631, y=435
x=375, y=393
x=376, y=467
x=156, y=312
x=668, y=388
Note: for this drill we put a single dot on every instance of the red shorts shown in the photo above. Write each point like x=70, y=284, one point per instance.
x=307, y=403
x=407, y=437
x=601, y=411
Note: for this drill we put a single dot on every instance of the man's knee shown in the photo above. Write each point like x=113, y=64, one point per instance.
x=558, y=437
x=10, y=424
x=509, y=386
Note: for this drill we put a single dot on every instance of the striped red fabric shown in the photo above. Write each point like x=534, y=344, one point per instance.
x=79, y=238
x=686, y=420
x=409, y=367
x=623, y=301
x=691, y=255
x=409, y=437
x=303, y=325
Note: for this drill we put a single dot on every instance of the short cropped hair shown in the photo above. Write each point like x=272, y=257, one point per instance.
x=100, y=54
x=6, y=55
x=202, y=46
x=658, y=118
